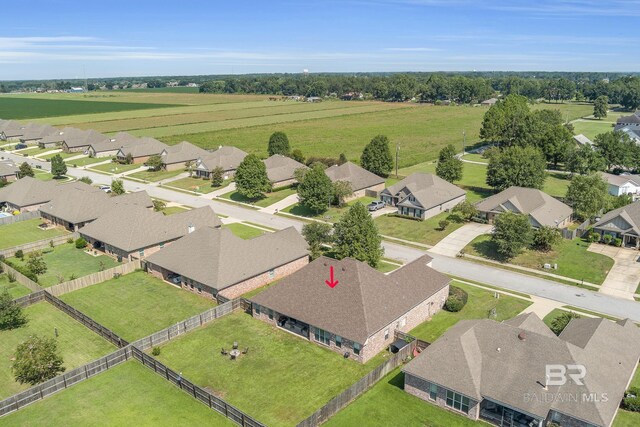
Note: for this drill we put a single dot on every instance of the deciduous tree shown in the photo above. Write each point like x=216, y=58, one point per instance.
x=376, y=156
x=356, y=236
x=154, y=163
x=25, y=170
x=519, y=166
x=11, y=315
x=251, y=178
x=315, y=189
x=278, y=144
x=317, y=234
x=544, y=238
x=600, y=107
x=117, y=187
x=341, y=190
x=37, y=360
x=36, y=263
x=512, y=234
x=588, y=195
x=217, y=176
x=449, y=167
x=584, y=160
x=58, y=166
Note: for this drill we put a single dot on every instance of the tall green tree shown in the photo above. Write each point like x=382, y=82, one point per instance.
x=583, y=160
x=600, y=107
x=588, y=195
x=36, y=263
x=341, y=190
x=278, y=144
x=547, y=132
x=376, y=156
x=449, y=167
x=356, y=236
x=317, y=234
x=154, y=163
x=117, y=187
x=512, y=233
x=37, y=360
x=25, y=170
x=58, y=166
x=315, y=189
x=617, y=149
x=517, y=166
x=251, y=178
x=506, y=121
x=217, y=176
x=11, y=315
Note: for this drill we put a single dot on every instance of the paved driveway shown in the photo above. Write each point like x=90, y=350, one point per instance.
x=624, y=276
x=457, y=240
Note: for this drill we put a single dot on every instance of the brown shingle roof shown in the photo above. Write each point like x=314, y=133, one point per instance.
x=281, y=168
x=358, y=177
x=8, y=168
x=630, y=215
x=428, y=190
x=226, y=157
x=142, y=147
x=364, y=301
x=182, y=153
x=37, y=132
x=27, y=192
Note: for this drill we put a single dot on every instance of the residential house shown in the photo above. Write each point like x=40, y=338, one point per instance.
x=359, y=315
x=362, y=181
x=56, y=138
x=623, y=223
x=110, y=147
x=11, y=130
x=582, y=140
x=226, y=265
x=281, y=170
x=542, y=209
x=8, y=170
x=35, y=132
x=144, y=148
x=79, y=142
x=176, y=157
x=631, y=121
x=226, y=157
x=79, y=204
x=134, y=232
x=622, y=184
x=422, y=195
x=633, y=132
x=489, y=102
x=499, y=372
x=26, y=194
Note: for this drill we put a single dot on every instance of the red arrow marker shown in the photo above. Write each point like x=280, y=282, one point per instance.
x=331, y=283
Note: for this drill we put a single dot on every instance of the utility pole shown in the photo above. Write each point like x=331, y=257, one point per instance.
x=397, y=154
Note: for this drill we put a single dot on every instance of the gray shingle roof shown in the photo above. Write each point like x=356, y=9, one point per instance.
x=358, y=177
x=226, y=157
x=60, y=135
x=630, y=215
x=619, y=180
x=132, y=227
x=27, y=192
x=428, y=190
x=142, y=147
x=487, y=359
x=542, y=208
x=364, y=301
x=632, y=119
x=219, y=259
x=8, y=168
x=182, y=153
x=12, y=128
x=37, y=132
x=281, y=168
x=84, y=138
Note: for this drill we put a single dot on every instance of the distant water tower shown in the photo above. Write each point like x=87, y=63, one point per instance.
x=305, y=72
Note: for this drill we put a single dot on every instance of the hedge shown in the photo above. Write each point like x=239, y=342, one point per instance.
x=456, y=300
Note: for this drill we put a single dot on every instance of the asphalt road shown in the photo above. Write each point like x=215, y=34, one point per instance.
x=565, y=294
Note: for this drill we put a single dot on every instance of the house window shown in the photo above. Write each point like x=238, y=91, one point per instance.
x=433, y=391
x=457, y=401
x=141, y=252
x=272, y=274
x=386, y=334
x=270, y=314
x=338, y=341
x=257, y=308
x=322, y=336
x=356, y=348
x=161, y=245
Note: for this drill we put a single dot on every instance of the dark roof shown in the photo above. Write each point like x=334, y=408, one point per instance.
x=8, y=168
x=27, y=192
x=427, y=189
x=281, y=168
x=364, y=301
x=226, y=157
x=629, y=215
x=632, y=119
x=358, y=177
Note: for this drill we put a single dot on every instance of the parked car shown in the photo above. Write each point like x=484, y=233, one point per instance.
x=375, y=205
x=20, y=146
x=105, y=188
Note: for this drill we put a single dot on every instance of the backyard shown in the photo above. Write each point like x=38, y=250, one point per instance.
x=280, y=381
x=572, y=257
x=427, y=232
x=76, y=343
x=268, y=200
x=23, y=232
x=65, y=262
x=125, y=393
x=15, y=289
x=332, y=214
x=137, y=304
x=479, y=306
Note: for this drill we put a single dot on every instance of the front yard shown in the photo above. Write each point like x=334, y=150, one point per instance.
x=124, y=393
x=198, y=185
x=65, y=262
x=137, y=304
x=280, y=381
x=479, y=306
x=155, y=176
x=115, y=168
x=86, y=161
x=572, y=257
x=15, y=289
x=268, y=200
x=244, y=231
x=23, y=232
x=76, y=343
x=427, y=232
x=332, y=214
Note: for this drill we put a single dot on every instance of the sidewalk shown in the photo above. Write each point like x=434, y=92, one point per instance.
x=457, y=240
x=278, y=206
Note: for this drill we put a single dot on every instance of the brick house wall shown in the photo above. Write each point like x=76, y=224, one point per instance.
x=420, y=388
x=365, y=191
x=79, y=149
x=29, y=208
x=10, y=178
x=126, y=255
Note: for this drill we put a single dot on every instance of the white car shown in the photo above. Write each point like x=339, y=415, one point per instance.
x=105, y=188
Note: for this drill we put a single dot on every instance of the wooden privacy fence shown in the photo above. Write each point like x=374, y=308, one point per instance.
x=364, y=384
x=106, y=333
x=21, y=278
x=213, y=402
x=399, y=335
x=27, y=300
x=93, y=279
x=578, y=232
x=187, y=325
x=18, y=218
x=61, y=382
x=37, y=245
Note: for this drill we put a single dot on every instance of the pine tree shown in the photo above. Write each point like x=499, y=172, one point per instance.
x=278, y=144
x=376, y=156
x=449, y=167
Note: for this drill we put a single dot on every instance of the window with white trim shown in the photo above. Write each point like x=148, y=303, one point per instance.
x=457, y=401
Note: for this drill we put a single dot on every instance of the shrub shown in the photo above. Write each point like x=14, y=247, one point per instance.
x=593, y=237
x=456, y=300
x=22, y=270
x=631, y=404
x=81, y=243
x=70, y=240
x=617, y=242
x=607, y=238
x=443, y=224
x=51, y=243
x=11, y=276
x=19, y=254
x=155, y=351
x=559, y=323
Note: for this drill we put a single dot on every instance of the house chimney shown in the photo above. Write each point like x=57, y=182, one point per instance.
x=191, y=228
x=546, y=382
x=522, y=336
x=498, y=349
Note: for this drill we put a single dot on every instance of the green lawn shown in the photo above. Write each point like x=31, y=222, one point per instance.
x=42, y=176
x=196, y=184
x=137, y=304
x=556, y=312
x=572, y=257
x=85, y=161
x=173, y=210
x=15, y=289
x=556, y=184
x=332, y=214
x=23, y=232
x=126, y=394
x=592, y=127
x=282, y=379
x=388, y=401
x=61, y=154
x=475, y=158
x=268, y=200
x=65, y=262
x=76, y=343
x=155, y=176
x=116, y=167
x=626, y=418
x=478, y=306
x=427, y=231
x=244, y=231
x=386, y=267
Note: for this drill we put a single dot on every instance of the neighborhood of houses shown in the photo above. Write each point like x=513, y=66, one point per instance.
x=482, y=369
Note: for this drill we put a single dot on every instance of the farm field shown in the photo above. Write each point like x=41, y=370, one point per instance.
x=76, y=343
x=126, y=392
x=15, y=289
x=65, y=262
x=137, y=304
x=276, y=361
x=23, y=232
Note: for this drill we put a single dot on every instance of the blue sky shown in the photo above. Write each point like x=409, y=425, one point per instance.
x=68, y=38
